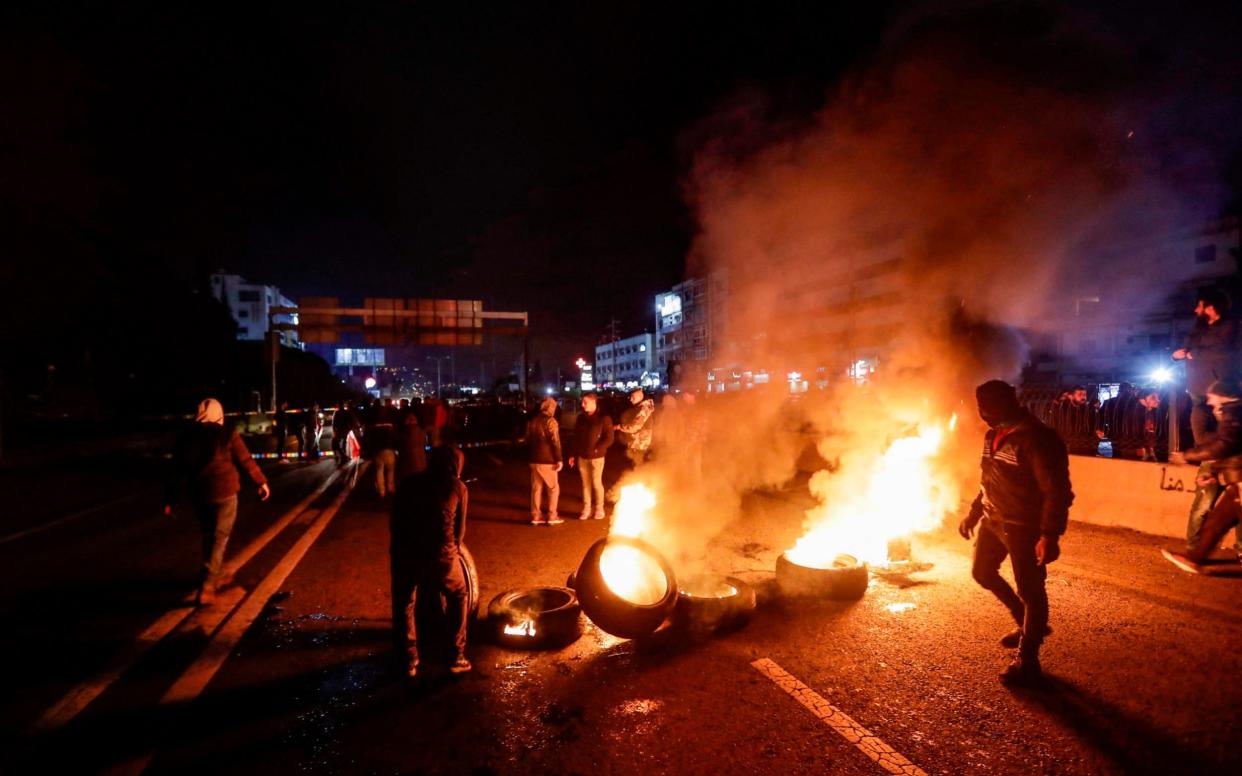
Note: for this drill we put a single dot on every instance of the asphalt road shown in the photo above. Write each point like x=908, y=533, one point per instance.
x=1142, y=666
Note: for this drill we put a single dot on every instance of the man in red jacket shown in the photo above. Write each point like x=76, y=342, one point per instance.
x=207, y=457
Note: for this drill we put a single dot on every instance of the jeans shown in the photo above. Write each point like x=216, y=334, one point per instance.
x=1205, y=499
x=592, y=472
x=385, y=463
x=1202, y=422
x=216, y=521
x=544, y=479
x=416, y=589
x=1029, y=606
x=1225, y=515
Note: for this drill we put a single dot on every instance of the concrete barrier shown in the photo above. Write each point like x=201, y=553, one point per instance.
x=1150, y=497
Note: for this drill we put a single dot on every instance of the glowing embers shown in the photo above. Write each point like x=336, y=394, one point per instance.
x=535, y=618
x=524, y=628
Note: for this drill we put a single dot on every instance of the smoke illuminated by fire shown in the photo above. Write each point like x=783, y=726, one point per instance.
x=903, y=491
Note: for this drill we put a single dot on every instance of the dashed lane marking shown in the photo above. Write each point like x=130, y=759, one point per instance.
x=78, y=698
x=884, y=755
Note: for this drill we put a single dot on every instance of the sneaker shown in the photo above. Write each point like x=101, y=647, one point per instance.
x=1182, y=562
x=1023, y=671
x=1014, y=637
x=537, y=520
x=460, y=666
x=553, y=520
x=585, y=516
x=599, y=514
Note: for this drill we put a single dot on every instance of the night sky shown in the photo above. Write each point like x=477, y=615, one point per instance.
x=529, y=155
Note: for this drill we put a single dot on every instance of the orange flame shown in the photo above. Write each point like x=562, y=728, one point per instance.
x=902, y=493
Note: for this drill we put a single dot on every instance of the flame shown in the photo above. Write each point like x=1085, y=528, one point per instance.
x=523, y=628
x=901, y=493
x=630, y=573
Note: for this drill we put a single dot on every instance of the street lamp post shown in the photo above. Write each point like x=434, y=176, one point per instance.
x=439, y=360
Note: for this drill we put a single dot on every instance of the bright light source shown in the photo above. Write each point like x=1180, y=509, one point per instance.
x=549, y=390
x=370, y=383
x=1161, y=375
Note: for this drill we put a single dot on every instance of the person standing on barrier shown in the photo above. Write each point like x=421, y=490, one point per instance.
x=592, y=437
x=1021, y=511
x=543, y=448
x=1210, y=353
x=1222, y=456
x=426, y=528
x=207, y=457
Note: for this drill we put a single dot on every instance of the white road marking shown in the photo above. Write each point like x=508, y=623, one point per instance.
x=79, y=697
x=194, y=680
x=883, y=754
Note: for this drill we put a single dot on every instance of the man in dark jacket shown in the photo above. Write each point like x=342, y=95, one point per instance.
x=1210, y=352
x=427, y=525
x=543, y=450
x=1023, y=503
x=592, y=438
x=207, y=457
x=1077, y=421
x=343, y=422
x=1224, y=451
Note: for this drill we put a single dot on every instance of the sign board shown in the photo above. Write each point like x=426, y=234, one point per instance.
x=318, y=329
x=437, y=322
x=360, y=357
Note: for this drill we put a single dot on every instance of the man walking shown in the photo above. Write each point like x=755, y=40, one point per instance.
x=543, y=448
x=1021, y=511
x=207, y=457
x=592, y=438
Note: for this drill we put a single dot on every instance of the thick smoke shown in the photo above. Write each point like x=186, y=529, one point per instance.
x=988, y=161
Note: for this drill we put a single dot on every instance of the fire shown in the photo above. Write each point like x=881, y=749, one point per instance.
x=629, y=572
x=901, y=493
x=523, y=628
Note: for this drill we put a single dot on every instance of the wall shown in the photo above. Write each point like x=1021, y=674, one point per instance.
x=1149, y=497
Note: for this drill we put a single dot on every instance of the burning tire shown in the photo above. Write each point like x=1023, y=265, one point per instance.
x=535, y=618
x=710, y=603
x=626, y=587
x=471, y=573
x=846, y=579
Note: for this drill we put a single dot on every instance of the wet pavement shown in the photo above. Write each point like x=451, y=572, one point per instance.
x=1142, y=664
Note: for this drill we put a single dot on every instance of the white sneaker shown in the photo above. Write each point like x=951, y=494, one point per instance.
x=553, y=520
x=538, y=521
x=599, y=514
x=584, y=516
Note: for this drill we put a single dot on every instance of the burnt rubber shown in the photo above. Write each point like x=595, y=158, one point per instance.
x=609, y=611
x=700, y=614
x=846, y=580
x=554, y=611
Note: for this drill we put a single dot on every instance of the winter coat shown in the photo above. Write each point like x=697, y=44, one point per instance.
x=592, y=435
x=636, y=425
x=1214, y=351
x=206, y=459
x=543, y=439
x=1025, y=479
x=413, y=447
x=1224, y=448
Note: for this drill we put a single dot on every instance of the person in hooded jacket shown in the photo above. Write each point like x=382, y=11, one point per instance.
x=206, y=458
x=426, y=528
x=1022, y=510
x=1223, y=452
x=543, y=450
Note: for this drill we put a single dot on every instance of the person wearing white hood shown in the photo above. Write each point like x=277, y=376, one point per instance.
x=206, y=459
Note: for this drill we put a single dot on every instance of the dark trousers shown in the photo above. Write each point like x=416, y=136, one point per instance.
x=1202, y=423
x=1029, y=605
x=216, y=521
x=416, y=590
x=1225, y=515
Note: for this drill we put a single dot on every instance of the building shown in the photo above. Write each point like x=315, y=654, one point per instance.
x=250, y=305
x=689, y=324
x=627, y=363
x=1115, y=329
